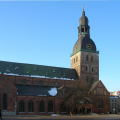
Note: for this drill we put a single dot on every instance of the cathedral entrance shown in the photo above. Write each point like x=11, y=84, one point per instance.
x=82, y=110
x=88, y=110
x=79, y=111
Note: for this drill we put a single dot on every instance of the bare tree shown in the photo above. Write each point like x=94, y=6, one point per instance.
x=77, y=95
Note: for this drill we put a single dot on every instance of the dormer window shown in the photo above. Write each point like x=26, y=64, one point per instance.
x=16, y=68
x=64, y=75
x=35, y=69
x=8, y=71
x=53, y=70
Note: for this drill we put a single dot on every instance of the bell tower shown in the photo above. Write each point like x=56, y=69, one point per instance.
x=85, y=57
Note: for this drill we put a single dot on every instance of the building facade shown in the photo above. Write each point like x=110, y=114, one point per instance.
x=28, y=89
x=115, y=102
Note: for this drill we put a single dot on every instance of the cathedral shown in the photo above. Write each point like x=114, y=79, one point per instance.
x=30, y=89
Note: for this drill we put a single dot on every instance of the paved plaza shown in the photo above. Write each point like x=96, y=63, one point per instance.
x=82, y=117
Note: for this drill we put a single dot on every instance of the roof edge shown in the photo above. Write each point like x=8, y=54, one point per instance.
x=83, y=50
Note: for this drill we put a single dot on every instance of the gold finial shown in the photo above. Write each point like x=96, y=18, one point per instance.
x=83, y=6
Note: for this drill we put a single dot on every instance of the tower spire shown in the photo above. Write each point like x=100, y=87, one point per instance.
x=83, y=6
x=83, y=13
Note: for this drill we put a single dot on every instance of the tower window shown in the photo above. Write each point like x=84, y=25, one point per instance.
x=87, y=79
x=87, y=57
x=82, y=30
x=86, y=68
x=92, y=80
x=74, y=60
x=91, y=59
x=92, y=69
x=86, y=31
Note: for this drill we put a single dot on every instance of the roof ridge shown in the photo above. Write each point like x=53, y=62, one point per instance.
x=33, y=64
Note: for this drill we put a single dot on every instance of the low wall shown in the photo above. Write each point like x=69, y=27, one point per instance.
x=9, y=113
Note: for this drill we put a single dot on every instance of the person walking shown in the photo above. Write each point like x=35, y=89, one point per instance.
x=0, y=115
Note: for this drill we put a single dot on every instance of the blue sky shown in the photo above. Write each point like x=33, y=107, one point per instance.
x=44, y=33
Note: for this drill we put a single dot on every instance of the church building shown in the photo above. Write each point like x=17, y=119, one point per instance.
x=30, y=89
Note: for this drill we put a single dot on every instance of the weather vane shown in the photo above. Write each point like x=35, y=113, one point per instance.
x=83, y=6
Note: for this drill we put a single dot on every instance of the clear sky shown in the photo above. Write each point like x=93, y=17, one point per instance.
x=44, y=33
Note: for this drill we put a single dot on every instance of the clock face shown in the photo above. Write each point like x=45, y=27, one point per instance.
x=89, y=46
x=76, y=47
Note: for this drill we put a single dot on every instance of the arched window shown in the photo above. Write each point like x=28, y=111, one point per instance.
x=100, y=103
x=23, y=81
x=21, y=106
x=42, y=106
x=62, y=107
x=91, y=59
x=50, y=106
x=74, y=60
x=30, y=106
x=41, y=82
x=82, y=31
x=87, y=79
x=4, y=102
x=92, y=80
x=92, y=69
x=87, y=57
x=86, y=31
x=86, y=68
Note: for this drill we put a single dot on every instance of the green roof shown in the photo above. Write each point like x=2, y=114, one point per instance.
x=83, y=50
x=39, y=70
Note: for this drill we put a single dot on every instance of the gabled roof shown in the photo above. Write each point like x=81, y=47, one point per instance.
x=39, y=70
x=36, y=90
x=5, y=83
x=93, y=85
